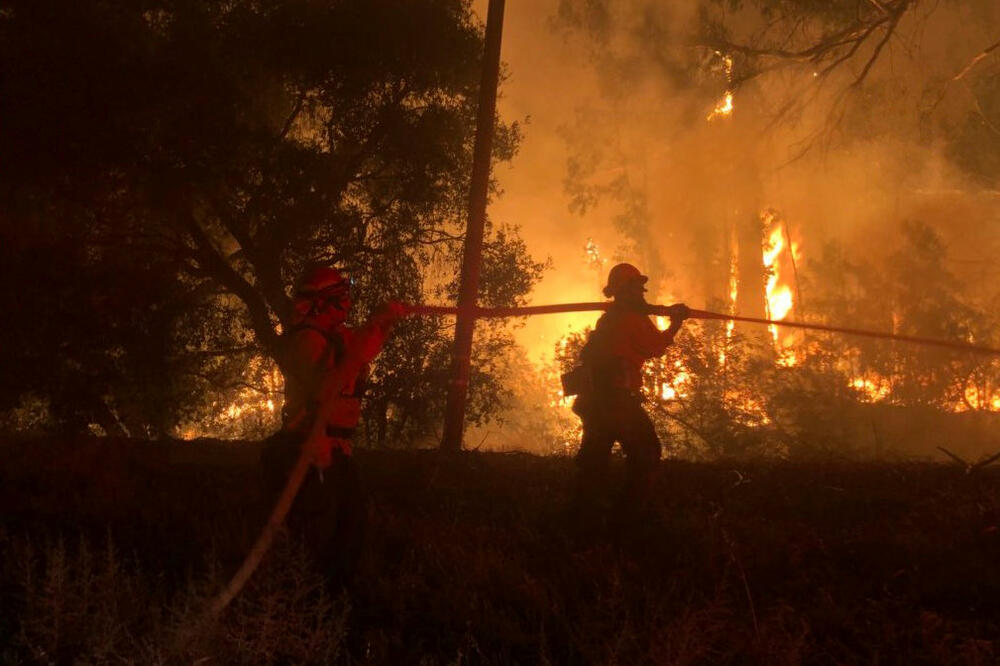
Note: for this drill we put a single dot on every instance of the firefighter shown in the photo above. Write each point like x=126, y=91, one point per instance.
x=609, y=398
x=331, y=507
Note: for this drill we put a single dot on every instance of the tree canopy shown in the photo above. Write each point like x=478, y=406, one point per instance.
x=171, y=166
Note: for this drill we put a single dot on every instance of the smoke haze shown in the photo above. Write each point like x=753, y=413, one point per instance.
x=612, y=134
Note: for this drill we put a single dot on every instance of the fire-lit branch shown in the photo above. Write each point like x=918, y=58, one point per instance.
x=823, y=55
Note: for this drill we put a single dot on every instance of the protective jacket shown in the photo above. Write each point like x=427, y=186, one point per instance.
x=313, y=352
x=620, y=343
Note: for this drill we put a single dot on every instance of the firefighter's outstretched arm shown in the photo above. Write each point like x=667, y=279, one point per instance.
x=372, y=335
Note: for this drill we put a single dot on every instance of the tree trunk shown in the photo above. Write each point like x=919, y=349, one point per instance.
x=751, y=299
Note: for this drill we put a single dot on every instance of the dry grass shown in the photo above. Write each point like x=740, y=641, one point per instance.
x=473, y=560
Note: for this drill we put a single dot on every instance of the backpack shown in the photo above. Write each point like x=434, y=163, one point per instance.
x=583, y=379
x=598, y=370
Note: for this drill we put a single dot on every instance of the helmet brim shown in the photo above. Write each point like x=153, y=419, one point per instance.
x=610, y=291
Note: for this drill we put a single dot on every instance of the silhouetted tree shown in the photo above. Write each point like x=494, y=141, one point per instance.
x=217, y=148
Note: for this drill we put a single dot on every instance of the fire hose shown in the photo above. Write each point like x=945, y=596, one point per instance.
x=334, y=383
x=662, y=310
x=332, y=386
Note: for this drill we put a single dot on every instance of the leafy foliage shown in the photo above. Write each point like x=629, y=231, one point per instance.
x=199, y=154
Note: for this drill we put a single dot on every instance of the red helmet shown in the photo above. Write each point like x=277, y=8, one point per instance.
x=323, y=286
x=319, y=280
x=621, y=275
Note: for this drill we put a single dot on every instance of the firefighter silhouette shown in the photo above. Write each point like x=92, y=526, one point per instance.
x=608, y=383
x=331, y=508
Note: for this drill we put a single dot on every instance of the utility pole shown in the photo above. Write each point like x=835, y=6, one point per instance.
x=472, y=257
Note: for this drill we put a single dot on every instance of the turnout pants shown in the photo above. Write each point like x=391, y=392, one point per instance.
x=617, y=417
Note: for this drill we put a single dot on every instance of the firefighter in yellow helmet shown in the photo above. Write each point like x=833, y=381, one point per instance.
x=331, y=507
x=609, y=383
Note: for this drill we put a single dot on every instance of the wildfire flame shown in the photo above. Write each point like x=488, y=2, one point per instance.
x=872, y=387
x=724, y=107
x=778, y=254
x=982, y=394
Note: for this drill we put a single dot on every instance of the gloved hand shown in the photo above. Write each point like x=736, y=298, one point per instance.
x=388, y=313
x=678, y=312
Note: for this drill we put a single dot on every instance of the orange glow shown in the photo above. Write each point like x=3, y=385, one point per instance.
x=751, y=411
x=593, y=253
x=787, y=358
x=981, y=397
x=778, y=258
x=249, y=405
x=734, y=291
x=872, y=387
x=678, y=384
x=724, y=107
x=780, y=301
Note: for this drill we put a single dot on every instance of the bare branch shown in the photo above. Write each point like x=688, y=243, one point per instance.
x=214, y=381
x=878, y=48
x=850, y=53
x=229, y=351
x=982, y=114
x=982, y=54
x=879, y=6
x=211, y=261
x=987, y=461
x=971, y=467
x=296, y=110
x=954, y=457
x=828, y=50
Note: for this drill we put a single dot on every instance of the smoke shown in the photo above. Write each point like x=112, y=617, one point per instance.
x=619, y=150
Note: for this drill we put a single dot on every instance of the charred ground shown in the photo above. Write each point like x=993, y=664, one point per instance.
x=110, y=546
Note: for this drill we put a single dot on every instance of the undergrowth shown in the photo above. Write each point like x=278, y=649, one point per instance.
x=479, y=559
